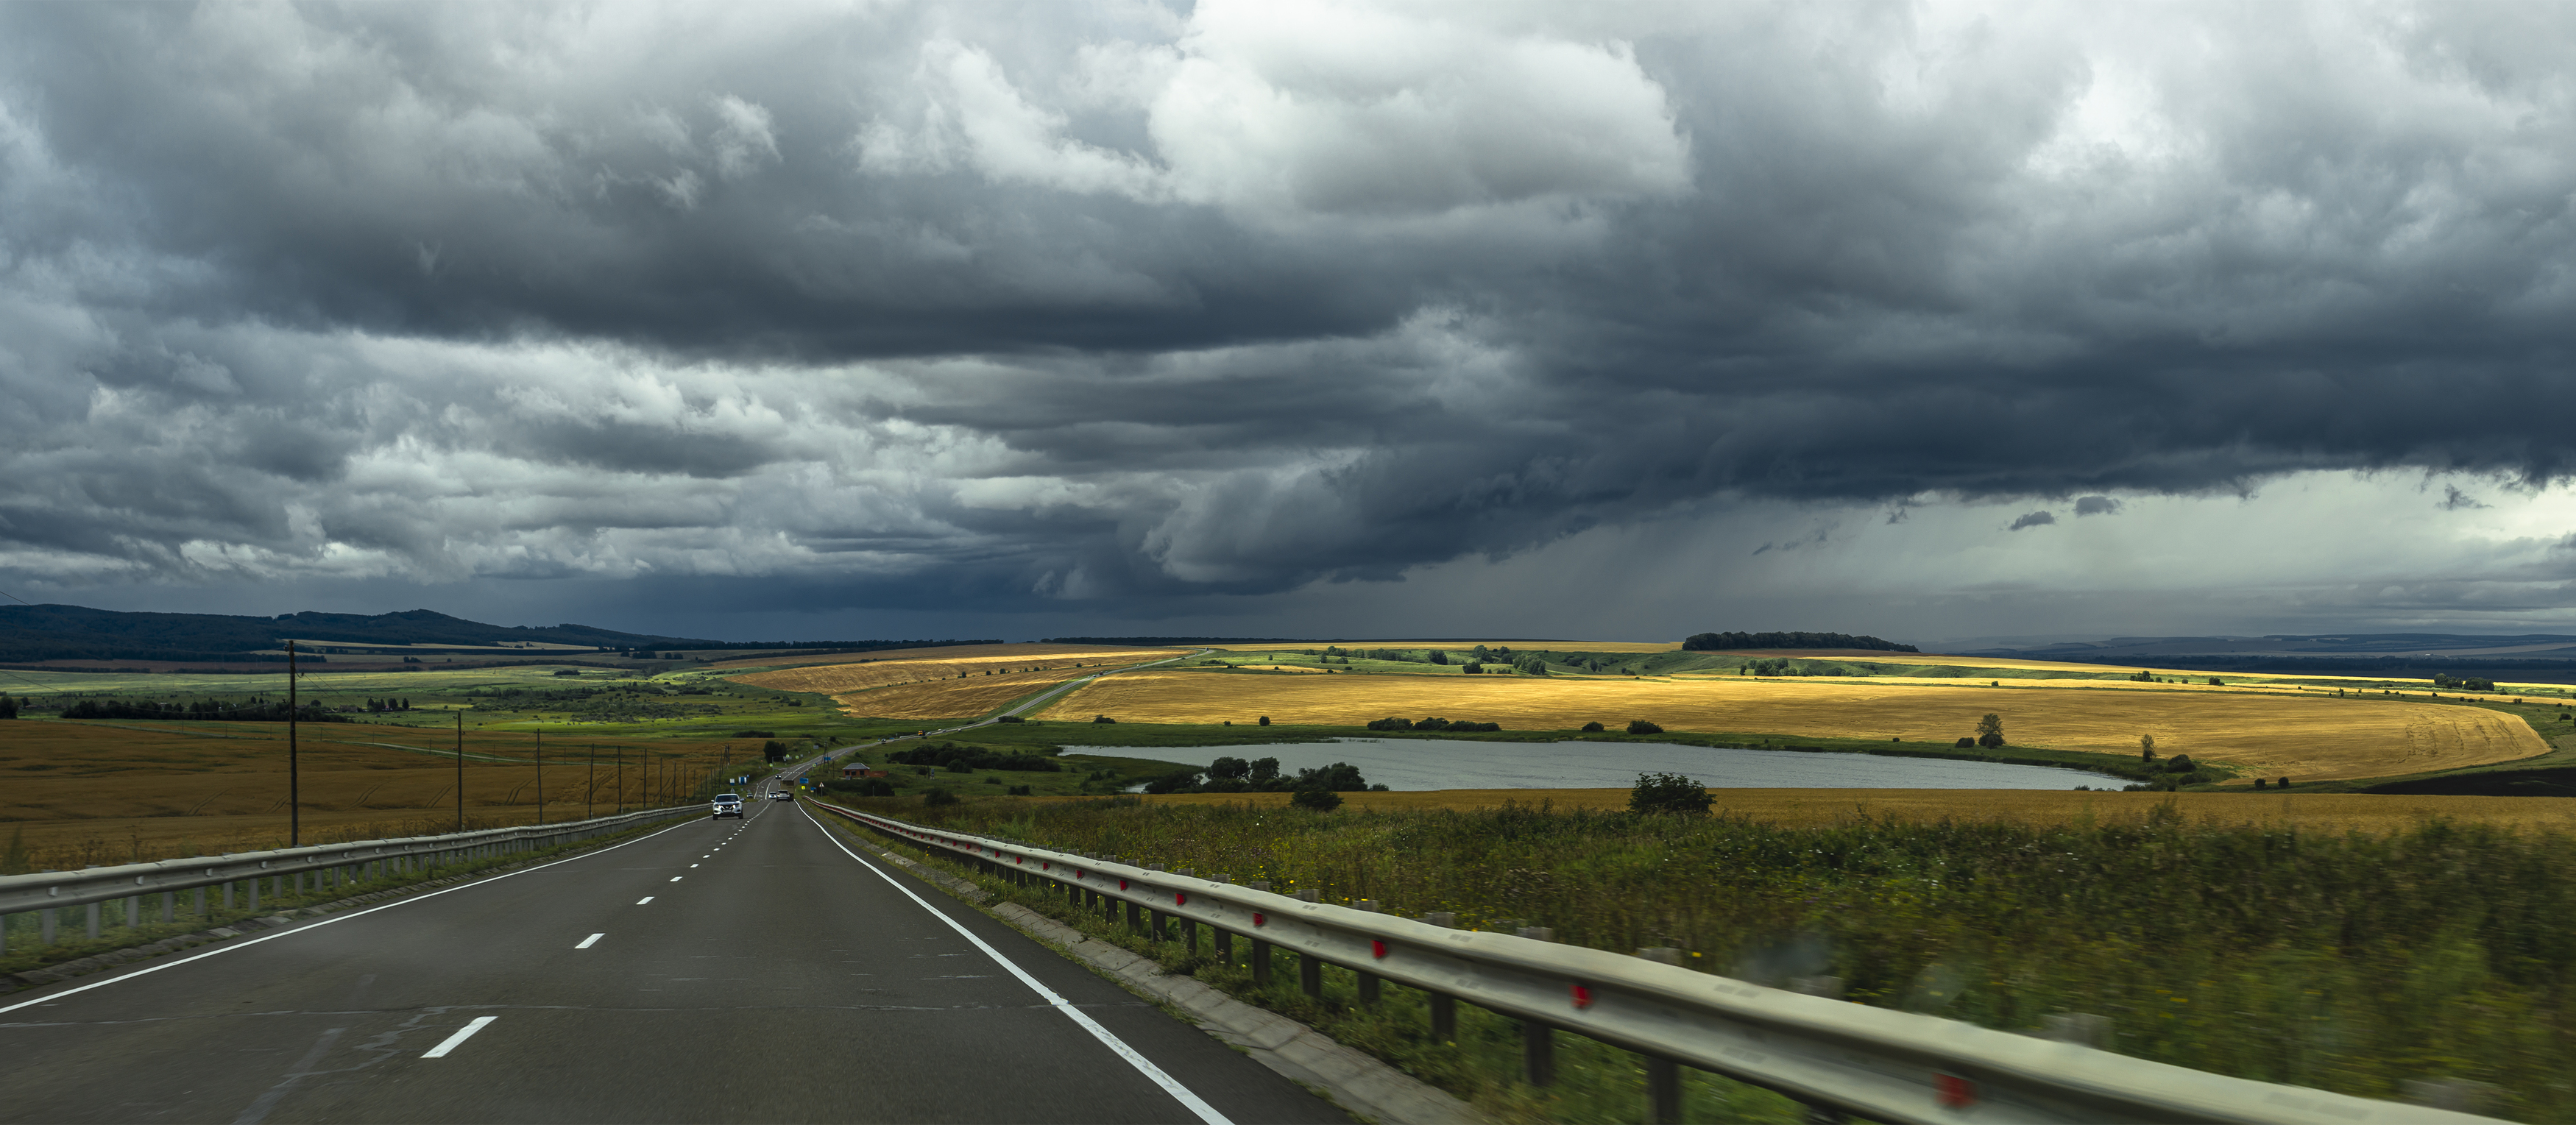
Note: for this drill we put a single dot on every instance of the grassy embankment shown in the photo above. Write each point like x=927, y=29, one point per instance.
x=2350, y=961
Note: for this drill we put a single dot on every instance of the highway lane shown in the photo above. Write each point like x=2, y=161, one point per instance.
x=772, y=976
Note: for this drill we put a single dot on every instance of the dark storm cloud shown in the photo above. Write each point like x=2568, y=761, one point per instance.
x=2033, y=519
x=970, y=302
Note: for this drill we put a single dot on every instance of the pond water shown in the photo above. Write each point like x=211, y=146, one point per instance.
x=1413, y=764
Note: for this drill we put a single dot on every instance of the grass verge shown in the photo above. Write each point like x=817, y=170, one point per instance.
x=2351, y=962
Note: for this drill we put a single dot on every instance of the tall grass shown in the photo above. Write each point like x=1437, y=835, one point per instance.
x=2350, y=962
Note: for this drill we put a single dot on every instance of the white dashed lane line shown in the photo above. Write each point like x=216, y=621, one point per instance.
x=462, y=1034
x=677, y=878
x=590, y=941
x=643, y=900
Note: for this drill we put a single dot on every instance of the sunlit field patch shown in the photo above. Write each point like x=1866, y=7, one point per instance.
x=2311, y=737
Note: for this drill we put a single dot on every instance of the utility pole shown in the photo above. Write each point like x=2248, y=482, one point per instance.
x=621, y=778
x=460, y=771
x=541, y=777
x=294, y=777
x=590, y=786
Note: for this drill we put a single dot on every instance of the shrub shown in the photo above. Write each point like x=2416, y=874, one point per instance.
x=1010, y=719
x=1965, y=743
x=1990, y=731
x=1102, y=719
x=1317, y=800
x=1592, y=728
x=1641, y=726
x=1174, y=782
x=1390, y=724
x=2179, y=763
x=1265, y=720
x=1659, y=793
x=1018, y=791
x=939, y=797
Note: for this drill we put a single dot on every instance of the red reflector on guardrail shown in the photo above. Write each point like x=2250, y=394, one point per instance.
x=1582, y=996
x=1259, y=918
x=1377, y=948
x=1953, y=1091
x=1180, y=898
x=1122, y=884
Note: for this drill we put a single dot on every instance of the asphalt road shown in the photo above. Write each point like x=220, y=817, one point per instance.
x=749, y=970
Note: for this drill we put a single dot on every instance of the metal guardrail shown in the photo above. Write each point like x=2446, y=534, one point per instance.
x=52, y=891
x=1835, y=1056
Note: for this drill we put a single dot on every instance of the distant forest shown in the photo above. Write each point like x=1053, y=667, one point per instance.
x=1712, y=642
x=71, y=632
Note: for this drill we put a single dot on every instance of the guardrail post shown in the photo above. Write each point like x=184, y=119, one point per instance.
x=1368, y=981
x=1663, y=1091
x=228, y=894
x=1259, y=954
x=253, y=884
x=1135, y=917
x=46, y=921
x=93, y=921
x=1538, y=1040
x=1663, y=1075
x=1444, y=1007
x=133, y=911
x=169, y=907
x=201, y=902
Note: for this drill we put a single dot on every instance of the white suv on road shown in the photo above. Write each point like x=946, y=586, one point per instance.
x=727, y=804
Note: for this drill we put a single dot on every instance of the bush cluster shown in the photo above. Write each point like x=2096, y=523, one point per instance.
x=1434, y=723
x=959, y=758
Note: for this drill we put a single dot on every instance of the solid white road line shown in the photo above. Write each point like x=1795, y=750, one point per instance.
x=590, y=941
x=643, y=900
x=462, y=1034
x=333, y=920
x=1143, y=1065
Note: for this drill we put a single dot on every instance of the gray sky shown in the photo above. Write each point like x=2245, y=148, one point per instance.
x=1931, y=321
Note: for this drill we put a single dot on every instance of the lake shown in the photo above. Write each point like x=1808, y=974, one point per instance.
x=1414, y=764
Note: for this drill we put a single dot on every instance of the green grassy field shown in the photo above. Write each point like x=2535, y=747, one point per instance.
x=2345, y=961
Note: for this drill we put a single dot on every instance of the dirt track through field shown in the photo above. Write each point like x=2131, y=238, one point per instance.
x=2313, y=737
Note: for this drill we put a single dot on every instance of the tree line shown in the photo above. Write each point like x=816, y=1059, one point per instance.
x=1712, y=642
x=256, y=711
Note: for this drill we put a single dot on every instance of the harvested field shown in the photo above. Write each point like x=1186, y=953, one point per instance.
x=975, y=662
x=84, y=793
x=1813, y=808
x=2306, y=736
x=977, y=657
x=952, y=698
x=1455, y=646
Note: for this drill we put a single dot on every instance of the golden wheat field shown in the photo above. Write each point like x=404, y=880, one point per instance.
x=77, y=789
x=2310, y=737
x=1811, y=808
